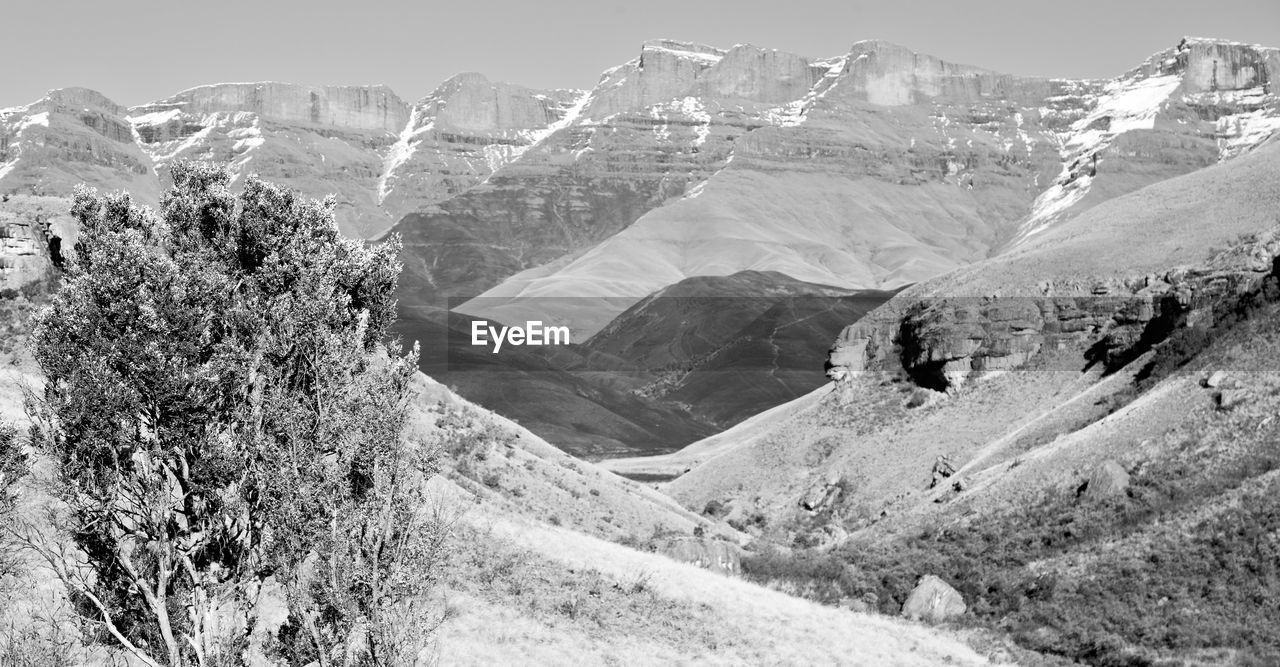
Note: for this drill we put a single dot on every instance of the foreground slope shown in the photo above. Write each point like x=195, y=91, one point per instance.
x=533, y=571
x=556, y=596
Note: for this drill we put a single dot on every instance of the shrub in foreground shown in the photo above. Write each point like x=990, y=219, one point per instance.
x=219, y=409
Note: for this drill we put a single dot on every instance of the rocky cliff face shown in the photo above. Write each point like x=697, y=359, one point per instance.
x=29, y=227
x=373, y=108
x=1104, y=286
x=886, y=74
x=941, y=343
x=462, y=133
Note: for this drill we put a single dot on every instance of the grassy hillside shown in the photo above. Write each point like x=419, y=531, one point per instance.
x=520, y=591
x=544, y=559
x=1178, y=569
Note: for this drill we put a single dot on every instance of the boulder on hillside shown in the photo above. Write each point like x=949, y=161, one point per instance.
x=1108, y=479
x=1229, y=399
x=933, y=601
x=943, y=468
x=813, y=498
x=716, y=555
x=1215, y=379
x=822, y=494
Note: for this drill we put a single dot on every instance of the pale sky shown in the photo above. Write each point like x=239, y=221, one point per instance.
x=137, y=51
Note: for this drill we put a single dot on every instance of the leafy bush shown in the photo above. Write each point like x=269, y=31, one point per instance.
x=13, y=467
x=219, y=408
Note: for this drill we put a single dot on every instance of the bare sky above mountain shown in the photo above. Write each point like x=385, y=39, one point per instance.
x=137, y=51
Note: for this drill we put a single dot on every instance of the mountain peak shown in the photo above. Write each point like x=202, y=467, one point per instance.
x=73, y=96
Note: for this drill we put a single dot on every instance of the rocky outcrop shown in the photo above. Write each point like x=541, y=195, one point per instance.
x=933, y=601
x=1215, y=379
x=941, y=342
x=716, y=555
x=1108, y=480
x=28, y=227
x=1230, y=399
x=1215, y=65
x=824, y=494
x=23, y=254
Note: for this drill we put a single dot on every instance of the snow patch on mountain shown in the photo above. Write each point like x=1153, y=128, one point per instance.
x=685, y=50
x=793, y=113
x=247, y=139
x=155, y=117
x=400, y=151
x=1242, y=132
x=1257, y=120
x=693, y=108
x=24, y=120
x=660, y=132
x=570, y=117
x=41, y=118
x=1124, y=105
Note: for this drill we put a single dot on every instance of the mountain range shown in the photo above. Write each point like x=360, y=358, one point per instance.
x=871, y=170
x=882, y=318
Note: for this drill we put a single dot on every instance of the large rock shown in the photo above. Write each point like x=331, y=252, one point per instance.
x=933, y=601
x=1215, y=379
x=1109, y=479
x=1230, y=399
